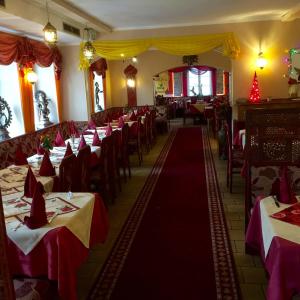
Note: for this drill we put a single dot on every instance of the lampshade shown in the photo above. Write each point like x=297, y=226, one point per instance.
x=261, y=62
x=31, y=76
x=89, y=50
x=50, y=34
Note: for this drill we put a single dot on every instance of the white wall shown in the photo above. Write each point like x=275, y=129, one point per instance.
x=74, y=97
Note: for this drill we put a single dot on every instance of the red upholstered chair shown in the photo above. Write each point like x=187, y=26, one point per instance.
x=83, y=161
x=134, y=141
x=124, y=161
x=145, y=133
x=235, y=158
x=68, y=174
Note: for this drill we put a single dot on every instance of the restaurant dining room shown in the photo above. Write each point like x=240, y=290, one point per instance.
x=149, y=150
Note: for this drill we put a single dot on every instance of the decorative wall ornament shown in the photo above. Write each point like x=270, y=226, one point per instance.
x=5, y=119
x=97, y=99
x=190, y=59
x=43, y=110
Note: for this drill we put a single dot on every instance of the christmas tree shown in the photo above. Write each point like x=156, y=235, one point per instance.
x=254, y=92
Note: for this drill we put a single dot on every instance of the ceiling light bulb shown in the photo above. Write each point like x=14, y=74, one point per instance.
x=134, y=59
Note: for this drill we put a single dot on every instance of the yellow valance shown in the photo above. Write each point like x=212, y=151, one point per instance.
x=180, y=45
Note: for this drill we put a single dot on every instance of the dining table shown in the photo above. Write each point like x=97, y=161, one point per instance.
x=76, y=222
x=274, y=233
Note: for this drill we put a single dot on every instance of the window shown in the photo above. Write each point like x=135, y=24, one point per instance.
x=99, y=92
x=199, y=83
x=10, y=91
x=45, y=83
x=178, y=84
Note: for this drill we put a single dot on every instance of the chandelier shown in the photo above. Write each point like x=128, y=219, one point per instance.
x=50, y=32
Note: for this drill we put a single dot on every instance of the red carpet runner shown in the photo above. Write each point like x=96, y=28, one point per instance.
x=174, y=244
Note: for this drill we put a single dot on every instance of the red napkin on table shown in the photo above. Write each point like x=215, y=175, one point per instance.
x=38, y=217
x=39, y=149
x=59, y=141
x=46, y=168
x=96, y=140
x=287, y=195
x=30, y=184
x=108, y=130
x=133, y=117
x=91, y=124
x=68, y=150
x=20, y=157
x=121, y=122
x=82, y=142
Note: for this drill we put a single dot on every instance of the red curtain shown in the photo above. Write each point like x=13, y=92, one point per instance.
x=27, y=52
x=171, y=83
x=226, y=83
x=130, y=72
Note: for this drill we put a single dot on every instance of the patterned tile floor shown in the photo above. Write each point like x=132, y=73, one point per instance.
x=251, y=274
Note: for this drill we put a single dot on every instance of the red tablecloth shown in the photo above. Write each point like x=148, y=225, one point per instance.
x=59, y=254
x=282, y=261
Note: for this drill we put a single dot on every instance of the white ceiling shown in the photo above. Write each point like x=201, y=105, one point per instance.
x=28, y=17
x=139, y=14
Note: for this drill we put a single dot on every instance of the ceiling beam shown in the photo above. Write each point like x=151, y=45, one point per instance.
x=92, y=21
x=292, y=14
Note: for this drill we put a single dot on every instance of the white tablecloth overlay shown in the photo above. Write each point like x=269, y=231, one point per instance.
x=15, y=179
x=272, y=227
x=78, y=222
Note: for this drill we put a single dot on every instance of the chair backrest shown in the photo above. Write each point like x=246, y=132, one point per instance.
x=6, y=285
x=228, y=141
x=107, y=155
x=83, y=160
x=125, y=137
x=68, y=174
x=272, y=141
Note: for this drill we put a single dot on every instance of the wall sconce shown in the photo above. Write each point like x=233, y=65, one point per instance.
x=31, y=76
x=130, y=82
x=261, y=61
x=134, y=59
x=50, y=32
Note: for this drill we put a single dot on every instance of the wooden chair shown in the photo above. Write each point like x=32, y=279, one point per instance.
x=124, y=161
x=83, y=161
x=235, y=158
x=68, y=174
x=145, y=133
x=134, y=140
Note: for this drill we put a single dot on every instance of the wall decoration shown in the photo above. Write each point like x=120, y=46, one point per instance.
x=130, y=73
x=43, y=110
x=5, y=119
x=97, y=99
x=254, y=92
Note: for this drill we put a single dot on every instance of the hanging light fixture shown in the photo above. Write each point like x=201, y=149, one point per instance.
x=50, y=32
x=88, y=49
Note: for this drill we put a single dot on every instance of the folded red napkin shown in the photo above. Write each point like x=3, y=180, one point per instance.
x=30, y=184
x=82, y=142
x=121, y=122
x=68, y=150
x=38, y=217
x=133, y=117
x=20, y=157
x=286, y=193
x=46, y=168
x=59, y=140
x=108, y=130
x=96, y=140
x=91, y=124
x=39, y=149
